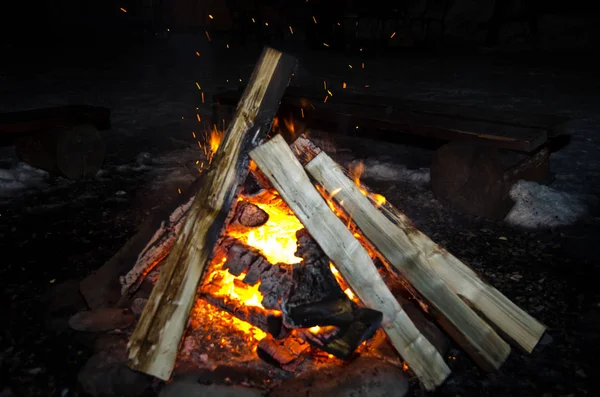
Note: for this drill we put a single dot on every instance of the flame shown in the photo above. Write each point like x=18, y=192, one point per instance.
x=276, y=239
x=342, y=283
x=211, y=142
x=248, y=295
x=356, y=171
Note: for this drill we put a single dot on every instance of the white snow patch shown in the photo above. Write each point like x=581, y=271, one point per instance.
x=539, y=206
x=21, y=177
x=388, y=171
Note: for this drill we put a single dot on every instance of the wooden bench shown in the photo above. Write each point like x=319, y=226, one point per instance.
x=511, y=130
x=62, y=140
x=485, y=150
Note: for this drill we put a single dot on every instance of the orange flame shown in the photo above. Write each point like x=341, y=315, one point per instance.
x=276, y=239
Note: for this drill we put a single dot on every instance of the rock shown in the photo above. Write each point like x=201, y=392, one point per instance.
x=364, y=377
x=190, y=388
x=110, y=342
x=106, y=374
x=137, y=306
x=102, y=320
x=63, y=301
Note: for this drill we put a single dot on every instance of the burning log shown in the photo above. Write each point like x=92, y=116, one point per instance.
x=287, y=353
x=278, y=163
x=154, y=344
x=249, y=215
x=469, y=330
x=509, y=319
x=251, y=314
x=420, y=252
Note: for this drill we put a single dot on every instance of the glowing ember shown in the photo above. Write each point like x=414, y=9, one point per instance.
x=205, y=313
x=247, y=295
x=276, y=239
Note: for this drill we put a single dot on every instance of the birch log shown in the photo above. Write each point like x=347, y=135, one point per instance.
x=507, y=318
x=154, y=344
x=278, y=163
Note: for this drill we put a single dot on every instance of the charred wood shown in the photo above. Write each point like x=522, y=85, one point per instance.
x=249, y=215
x=287, y=353
x=253, y=315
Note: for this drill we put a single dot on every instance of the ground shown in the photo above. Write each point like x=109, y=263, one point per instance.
x=53, y=230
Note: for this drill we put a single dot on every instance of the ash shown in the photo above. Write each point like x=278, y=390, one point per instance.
x=543, y=256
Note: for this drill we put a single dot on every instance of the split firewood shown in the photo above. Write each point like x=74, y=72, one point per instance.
x=468, y=329
x=279, y=164
x=509, y=319
x=154, y=344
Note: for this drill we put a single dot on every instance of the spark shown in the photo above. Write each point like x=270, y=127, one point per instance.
x=324, y=84
x=227, y=45
x=326, y=45
x=122, y=9
x=198, y=85
x=198, y=117
x=207, y=35
x=253, y=20
x=291, y=30
x=315, y=19
x=392, y=36
x=197, y=53
x=194, y=134
x=326, y=97
x=367, y=85
x=344, y=85
x=203, y=97
x=363, y=65
x=266, y=23
x=210, y=16
x=329, y=92
x=302, y=112
x=350, y=66
x=179, y=190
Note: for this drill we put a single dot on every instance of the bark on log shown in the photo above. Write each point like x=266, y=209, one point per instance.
x=154, y=344
x=76, y=153
x=278, y=163
x=509, y=319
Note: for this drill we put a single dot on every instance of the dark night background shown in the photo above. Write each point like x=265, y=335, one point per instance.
x=528, y=55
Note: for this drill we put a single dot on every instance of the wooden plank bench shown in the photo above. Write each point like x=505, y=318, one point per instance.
x=62, y=140
x=485, y=150
x=510, y=130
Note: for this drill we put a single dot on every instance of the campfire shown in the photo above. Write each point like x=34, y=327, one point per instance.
x=289, y=258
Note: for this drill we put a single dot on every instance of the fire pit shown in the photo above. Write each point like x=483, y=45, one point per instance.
x=264, y=268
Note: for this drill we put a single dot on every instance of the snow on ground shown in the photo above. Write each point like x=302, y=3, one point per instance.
x=539, y=206
x=19, y=178
x=536, y=205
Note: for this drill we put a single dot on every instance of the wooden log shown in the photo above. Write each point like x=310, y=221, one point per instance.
x=249, y=215
x=509, y=319
x=468, y=329
x=76, y=153
x=278, y=163
x=154, y=344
